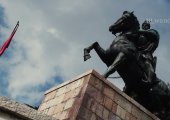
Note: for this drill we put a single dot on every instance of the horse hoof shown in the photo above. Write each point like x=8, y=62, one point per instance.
x=86, y=55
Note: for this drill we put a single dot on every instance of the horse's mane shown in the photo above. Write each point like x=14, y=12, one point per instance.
x=136, y=21
x=131, y=14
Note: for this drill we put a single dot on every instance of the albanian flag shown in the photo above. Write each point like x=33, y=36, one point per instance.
x=7, y=42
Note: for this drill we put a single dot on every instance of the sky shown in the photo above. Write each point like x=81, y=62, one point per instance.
x=47, y=48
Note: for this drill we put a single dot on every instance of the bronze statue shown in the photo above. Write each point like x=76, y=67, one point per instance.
x=130, y=54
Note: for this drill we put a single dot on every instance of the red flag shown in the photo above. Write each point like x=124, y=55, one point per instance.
x=7, y=42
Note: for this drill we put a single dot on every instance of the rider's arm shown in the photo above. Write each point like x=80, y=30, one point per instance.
x=153, y=37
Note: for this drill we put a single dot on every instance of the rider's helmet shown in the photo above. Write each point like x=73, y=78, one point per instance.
x=146, y=25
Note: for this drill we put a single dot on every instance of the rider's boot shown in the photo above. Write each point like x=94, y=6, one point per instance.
x=151, y=76
x=87, y=51
x=112, y=68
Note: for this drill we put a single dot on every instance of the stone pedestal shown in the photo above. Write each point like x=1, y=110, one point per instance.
x=91, y=97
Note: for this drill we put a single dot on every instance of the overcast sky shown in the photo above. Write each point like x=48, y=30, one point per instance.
x=48, y=46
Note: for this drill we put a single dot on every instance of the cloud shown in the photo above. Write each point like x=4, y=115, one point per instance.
x=48, y=46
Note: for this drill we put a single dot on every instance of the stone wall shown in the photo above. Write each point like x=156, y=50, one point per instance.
x=91, y=97
x=11, y=110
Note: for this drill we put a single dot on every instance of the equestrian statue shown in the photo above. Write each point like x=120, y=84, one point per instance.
x=131, y=55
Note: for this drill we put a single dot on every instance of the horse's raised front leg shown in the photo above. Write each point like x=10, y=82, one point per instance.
x=112, y=68
x=103, y=54
x=87, y=51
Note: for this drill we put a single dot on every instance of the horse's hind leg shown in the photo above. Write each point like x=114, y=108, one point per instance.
x=112, y=68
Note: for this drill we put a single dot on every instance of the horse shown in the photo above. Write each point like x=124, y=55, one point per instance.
x=121, y=56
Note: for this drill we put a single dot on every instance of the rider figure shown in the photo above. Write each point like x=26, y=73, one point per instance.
x=146, y=45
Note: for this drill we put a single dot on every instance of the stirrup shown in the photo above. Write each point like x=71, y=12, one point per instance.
x=145, y=81
x=86, y=55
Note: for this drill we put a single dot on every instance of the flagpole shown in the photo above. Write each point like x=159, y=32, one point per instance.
x=7, y=42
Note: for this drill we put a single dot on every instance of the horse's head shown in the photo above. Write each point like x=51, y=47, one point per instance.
x=127, y=22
